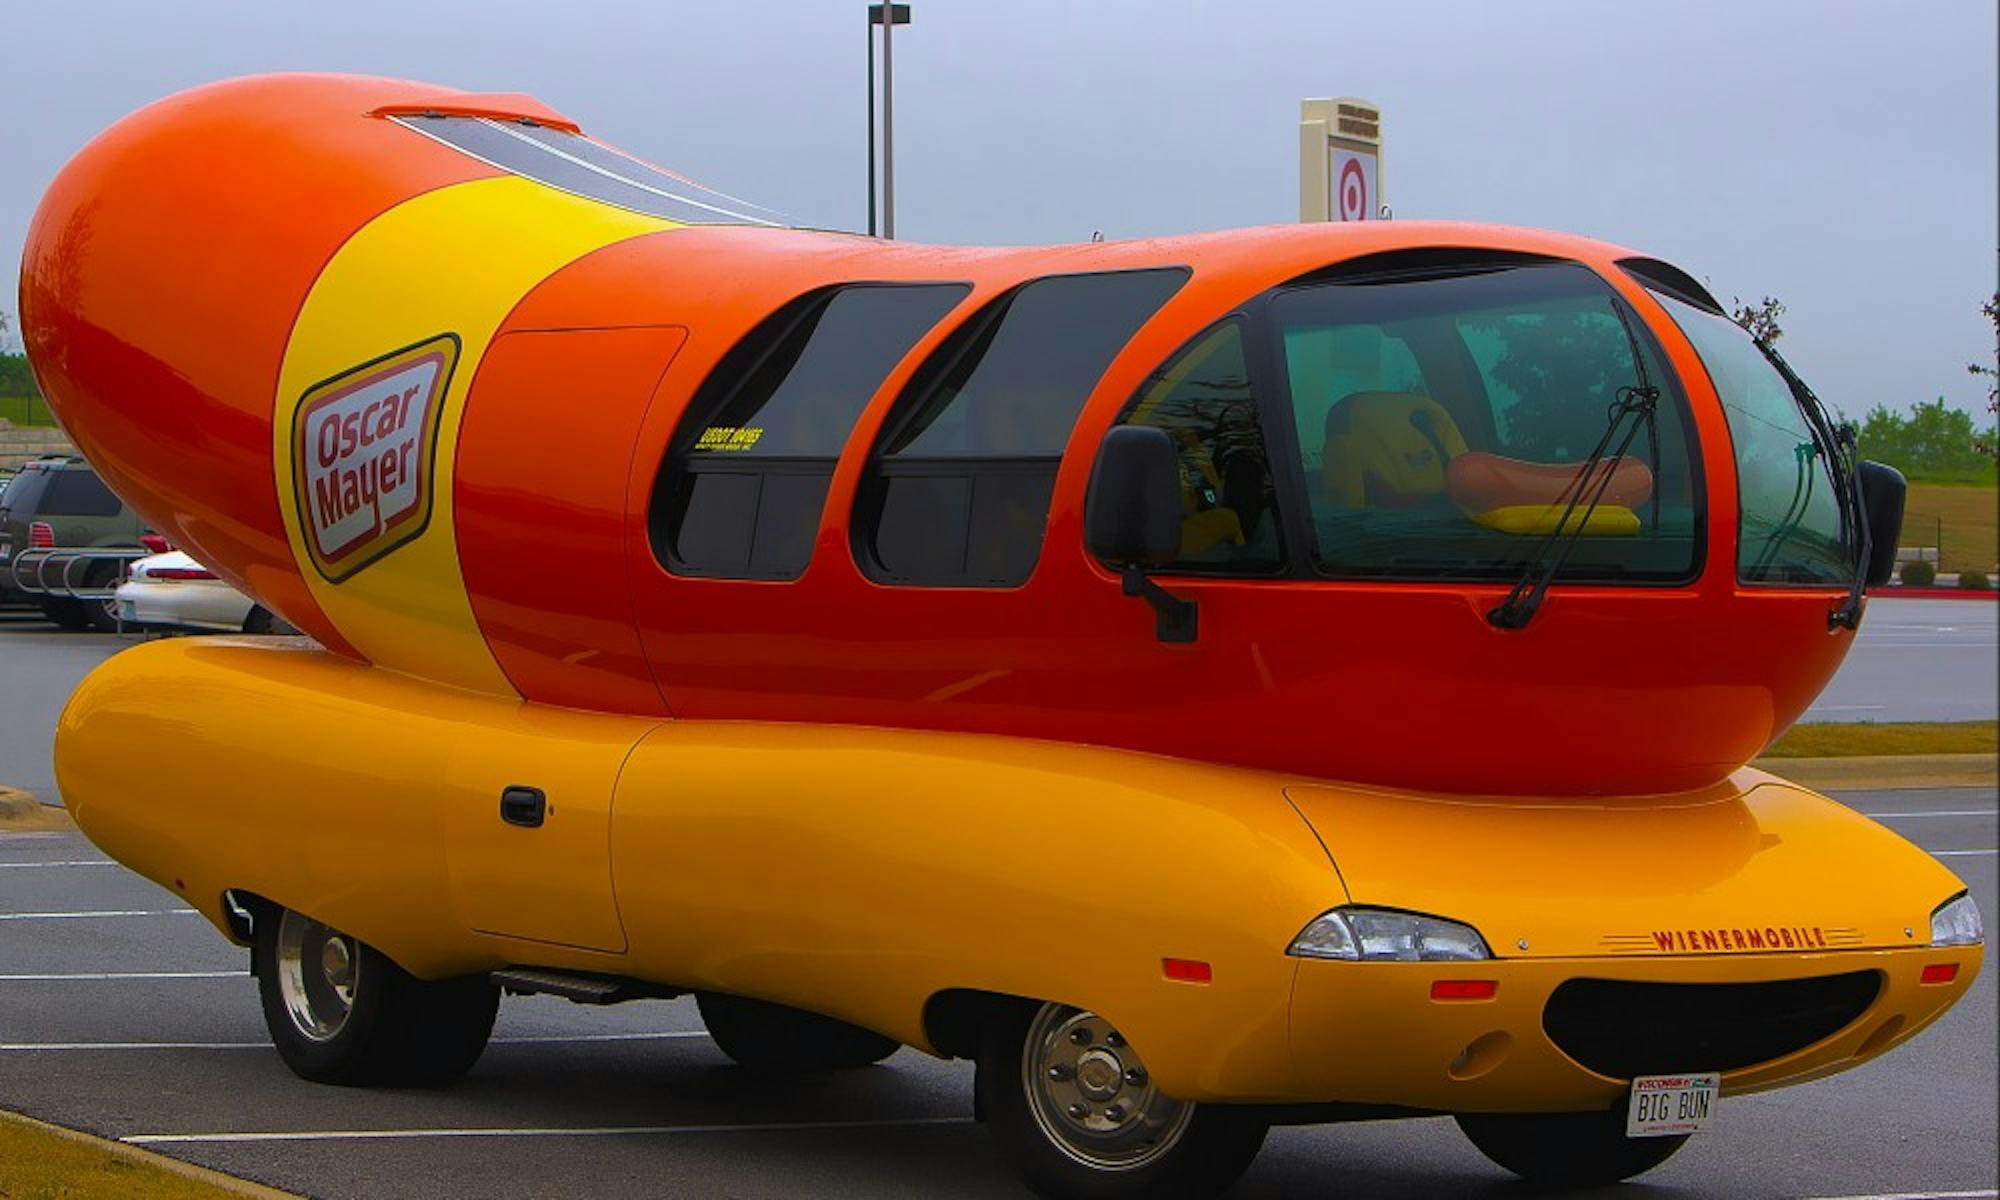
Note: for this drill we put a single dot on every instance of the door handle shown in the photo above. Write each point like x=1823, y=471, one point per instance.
x=523, y=806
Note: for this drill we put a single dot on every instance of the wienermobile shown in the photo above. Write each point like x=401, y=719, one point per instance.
x=1279, y=675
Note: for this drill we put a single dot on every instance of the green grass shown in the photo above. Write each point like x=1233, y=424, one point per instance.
x=1867, y=737
x=26, y=410
x=1962, y=519
x=38, y=1165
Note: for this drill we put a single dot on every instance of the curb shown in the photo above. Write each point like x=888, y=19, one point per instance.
x=19, y=811
x=146, y=1158
x=1880, y=772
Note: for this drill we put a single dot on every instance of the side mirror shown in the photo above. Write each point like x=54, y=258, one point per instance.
x=1132, y=520
x=1883, y=490
x=1132, y=510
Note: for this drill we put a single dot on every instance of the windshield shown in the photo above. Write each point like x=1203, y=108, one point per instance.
x=1790, y=529
x=1442, y=423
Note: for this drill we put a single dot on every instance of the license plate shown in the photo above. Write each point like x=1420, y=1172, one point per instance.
x=128, y=612
x=1664, y=1105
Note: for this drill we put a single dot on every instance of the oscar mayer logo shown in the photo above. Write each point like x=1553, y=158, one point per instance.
x=362, y=446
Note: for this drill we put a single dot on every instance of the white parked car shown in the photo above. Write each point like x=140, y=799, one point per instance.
x=173, y=591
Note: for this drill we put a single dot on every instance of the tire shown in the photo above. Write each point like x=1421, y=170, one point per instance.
x=340, y=1012
x=71, y=615
x=262, y=620
x=1079, y=1119
x=1566, y=1149
x=772, y=1037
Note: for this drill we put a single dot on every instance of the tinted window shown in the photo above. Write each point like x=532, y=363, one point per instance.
x=1443, y=421
x=959, y=493
x=24, y=490
x=585, y=167
x=746, y=476
x=1202, y=398
x=76, y=493
x=1790, y=529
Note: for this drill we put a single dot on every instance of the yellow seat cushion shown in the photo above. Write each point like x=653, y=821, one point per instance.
x=1613, y=520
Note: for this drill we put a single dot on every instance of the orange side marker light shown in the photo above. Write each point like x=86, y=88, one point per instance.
x=1940, y=972
x=1464, y=989
x=1187, y=970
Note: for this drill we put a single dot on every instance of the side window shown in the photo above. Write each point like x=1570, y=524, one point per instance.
x=1452, y=411
x=1202, y=398
x=1328, y=366
x=745, y=478
x=957, y=493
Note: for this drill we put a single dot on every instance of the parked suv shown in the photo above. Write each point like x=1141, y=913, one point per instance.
x=59, y=502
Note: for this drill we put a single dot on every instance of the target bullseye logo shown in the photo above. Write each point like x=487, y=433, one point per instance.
x=1353, y=191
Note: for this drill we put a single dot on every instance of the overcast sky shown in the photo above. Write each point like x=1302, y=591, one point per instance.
x=1839, y=155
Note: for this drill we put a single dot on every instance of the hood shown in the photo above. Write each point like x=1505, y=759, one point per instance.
x=1751, y=865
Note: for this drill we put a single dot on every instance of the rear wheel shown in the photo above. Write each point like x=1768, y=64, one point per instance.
x=1566, y=1149
x=340, y=1012
x=773, y=1037
x=1077, y=1113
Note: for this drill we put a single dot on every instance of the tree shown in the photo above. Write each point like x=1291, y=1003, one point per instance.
x=1933, y=441
x=1759, y=320
x=1990, y=444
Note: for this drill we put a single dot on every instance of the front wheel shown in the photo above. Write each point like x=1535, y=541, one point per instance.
x=1566, y=1149
x=1077, y=1113
x=340, y=1012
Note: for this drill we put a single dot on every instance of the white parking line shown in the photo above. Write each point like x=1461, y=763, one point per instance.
x=1988, y=1194
x=1961, y=853
x=558, y=1039
x=1959, y=812
x=330, y=1135
x=71, y=862
x=103, y=912
x=106, y=975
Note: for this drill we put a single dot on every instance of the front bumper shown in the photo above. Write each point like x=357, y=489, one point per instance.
x=1371, y=1033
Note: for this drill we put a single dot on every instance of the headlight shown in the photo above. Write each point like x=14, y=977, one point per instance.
x=1378, y=935
x=1956, y=923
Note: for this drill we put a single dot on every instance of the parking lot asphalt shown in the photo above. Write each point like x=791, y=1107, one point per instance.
x=122, y=1014
x=1918, y=660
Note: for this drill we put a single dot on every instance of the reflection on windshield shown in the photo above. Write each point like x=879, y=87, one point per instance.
x=1443, y=423
x=1790, y=528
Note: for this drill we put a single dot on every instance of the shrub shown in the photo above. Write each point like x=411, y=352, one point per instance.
x=1974, y=581
x=1917, y=573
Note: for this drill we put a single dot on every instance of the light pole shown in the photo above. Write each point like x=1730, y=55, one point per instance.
x=898, y=14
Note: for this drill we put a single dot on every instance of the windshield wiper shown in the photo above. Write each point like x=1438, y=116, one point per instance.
x=1640, y=402
x=1795, y=511
x=1838, y=444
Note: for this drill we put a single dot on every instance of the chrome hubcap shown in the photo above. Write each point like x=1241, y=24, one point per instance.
x=317, y=973
x=1090, y=1093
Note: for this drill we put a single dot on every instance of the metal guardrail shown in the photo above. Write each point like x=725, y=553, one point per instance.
x=64, y=570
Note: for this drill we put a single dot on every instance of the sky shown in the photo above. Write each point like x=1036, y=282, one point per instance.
x=1837, y=155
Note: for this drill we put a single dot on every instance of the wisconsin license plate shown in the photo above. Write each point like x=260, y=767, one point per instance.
x=1664, y=1105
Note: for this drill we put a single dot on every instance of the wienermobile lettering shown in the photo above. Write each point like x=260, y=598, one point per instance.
x=1208, y=681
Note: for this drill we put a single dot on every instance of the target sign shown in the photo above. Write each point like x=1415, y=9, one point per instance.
x=1354, y=194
